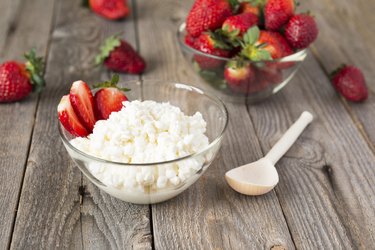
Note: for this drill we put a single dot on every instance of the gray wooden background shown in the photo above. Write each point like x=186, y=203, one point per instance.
x=326, y=195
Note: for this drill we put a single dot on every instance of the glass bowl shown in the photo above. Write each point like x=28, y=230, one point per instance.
x=270, y=76
x=138, y=183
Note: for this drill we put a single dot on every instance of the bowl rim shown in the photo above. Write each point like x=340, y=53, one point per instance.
x=179, y=85
x=300, y=54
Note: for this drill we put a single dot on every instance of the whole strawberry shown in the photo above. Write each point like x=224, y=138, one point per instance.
x=110, y=9
x=237, y=25
x=119, y=56
x=250, y=7
x=207, y=15
x=277, y=13
x=211, y=44
x=17, y=79
x=239, y=75
x=274, y=43
x=301, y=31
x=260, y=45
x=350, y=82
x=109, y=98
x=189, y=40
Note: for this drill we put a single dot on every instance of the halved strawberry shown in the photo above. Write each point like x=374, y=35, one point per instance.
x=69, y=119
x=109, y=99
x=83, y=104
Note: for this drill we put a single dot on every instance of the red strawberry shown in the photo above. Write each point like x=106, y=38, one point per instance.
x=301, y=31
x=350, y=82
x=239, y=75
x=189, y=40
x=277, y=13
x=207, y=43
x=251, y=49
x=274, y=43
x=207, y=15
x=237, y=25
x=83, y=104
x=119, y=56
x=110, y=9
x=17, y=79
x=108, y=99
x=69, y=119
x=270, y=74
x=246, y=7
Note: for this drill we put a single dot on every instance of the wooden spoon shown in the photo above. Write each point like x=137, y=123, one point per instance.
x=260, y=177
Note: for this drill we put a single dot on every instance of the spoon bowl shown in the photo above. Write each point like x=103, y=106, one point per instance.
x=256, y=178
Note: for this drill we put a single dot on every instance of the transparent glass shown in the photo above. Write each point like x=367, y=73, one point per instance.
x=271, y=76
x=140, y=183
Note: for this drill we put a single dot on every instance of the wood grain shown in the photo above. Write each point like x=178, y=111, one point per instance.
x=209, y=215
x=327, y=178
x=58, y=207
x=17, y=119
x=347, y=35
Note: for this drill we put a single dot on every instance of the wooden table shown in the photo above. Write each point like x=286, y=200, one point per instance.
x=326, y=195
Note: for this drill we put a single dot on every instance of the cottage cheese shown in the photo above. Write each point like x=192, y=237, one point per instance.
x=145, y=132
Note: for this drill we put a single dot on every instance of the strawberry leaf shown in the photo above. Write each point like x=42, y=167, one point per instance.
x=261, y=55
x=35, y=67
x=111, y=84
x=235, y=5
x=219, y=40
x=251, y=35
x=106, y=48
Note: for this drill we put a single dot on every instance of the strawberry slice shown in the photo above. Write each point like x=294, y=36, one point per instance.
x=83, y=104
x=109, y=99
x=69, y=119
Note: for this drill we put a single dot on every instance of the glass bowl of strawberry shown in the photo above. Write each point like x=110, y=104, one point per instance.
x=246, y=49
x=146, y=145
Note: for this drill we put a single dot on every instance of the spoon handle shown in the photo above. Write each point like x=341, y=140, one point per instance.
x=290, y=136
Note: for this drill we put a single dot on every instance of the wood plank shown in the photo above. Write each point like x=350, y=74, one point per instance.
x=327, y=178
x=8, y=14
x=347, y=35
x=59, y=208
x=209, y=215
x=17, y=119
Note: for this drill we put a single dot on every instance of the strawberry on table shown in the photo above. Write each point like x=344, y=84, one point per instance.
x=239, y=75
x=277, y=13
x=69, y=119
x=110, y=9
x=18, y=79
x=236, y=26
x=207, y=15
x=350, y=82
x=109, y=99
x=119, y=56
x=210, y=43
x=82, y=102
x=301, y=31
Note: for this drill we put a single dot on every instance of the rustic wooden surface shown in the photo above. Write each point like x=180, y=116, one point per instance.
x=325, y=198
